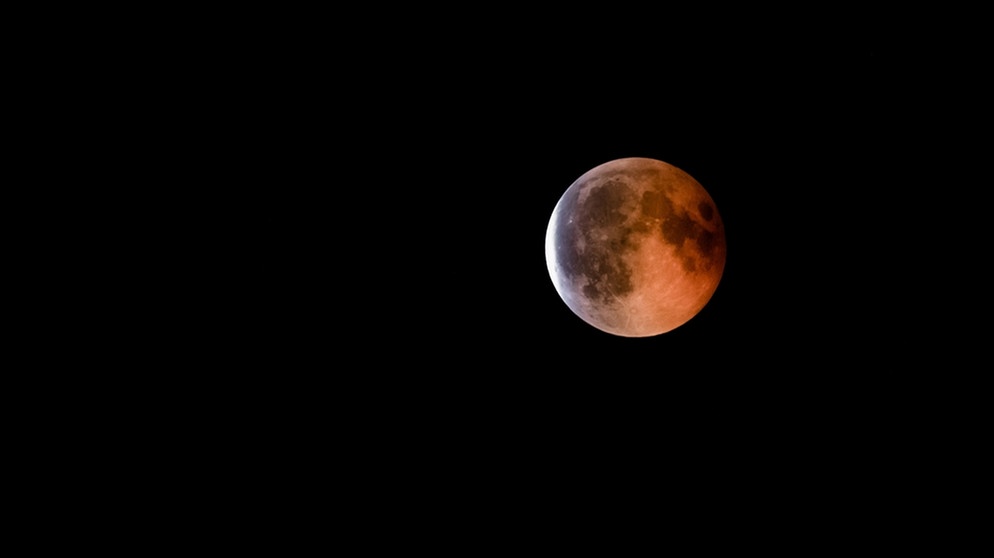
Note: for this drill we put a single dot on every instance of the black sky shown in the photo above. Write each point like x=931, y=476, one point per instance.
x=417, y=185
x=372, y=286
x=397, y=197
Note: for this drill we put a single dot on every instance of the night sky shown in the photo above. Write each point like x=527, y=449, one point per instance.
x=381, y=278
x=418, y=187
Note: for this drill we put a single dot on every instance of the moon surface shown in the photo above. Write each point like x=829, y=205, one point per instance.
x=635, y=247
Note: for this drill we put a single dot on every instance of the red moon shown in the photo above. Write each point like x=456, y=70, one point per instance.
x=635, y=247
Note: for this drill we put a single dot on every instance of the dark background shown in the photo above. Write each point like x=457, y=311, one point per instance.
x=391, y=206
x=402, y=199
x=292, y=275
x=293, y=278
x=366, y=283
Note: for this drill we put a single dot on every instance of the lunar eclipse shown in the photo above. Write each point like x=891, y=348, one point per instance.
x=635, y=247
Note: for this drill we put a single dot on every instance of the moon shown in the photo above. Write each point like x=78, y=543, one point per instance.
x=635, y=247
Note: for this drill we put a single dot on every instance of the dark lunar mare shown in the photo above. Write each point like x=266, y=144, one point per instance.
x=677, y=226
x=600, y=222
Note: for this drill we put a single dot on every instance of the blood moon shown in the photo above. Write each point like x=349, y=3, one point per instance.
x=635, y=247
